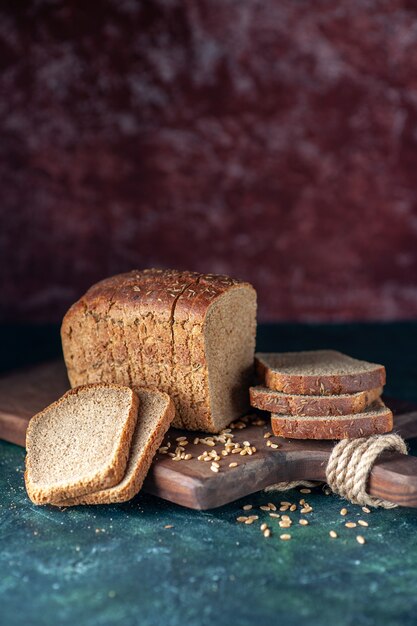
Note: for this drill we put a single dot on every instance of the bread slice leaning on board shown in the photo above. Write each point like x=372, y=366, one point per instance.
x=187, y=334
x=318, y=372
x=80, y=443
x=156, y=412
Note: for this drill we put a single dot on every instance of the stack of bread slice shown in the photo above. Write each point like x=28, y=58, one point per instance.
x=95, y=444
x=321, y=394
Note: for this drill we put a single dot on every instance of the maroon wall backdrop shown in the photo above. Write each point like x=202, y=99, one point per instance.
x=273, y=140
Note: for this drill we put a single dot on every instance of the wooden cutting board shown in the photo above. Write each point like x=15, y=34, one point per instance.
x=191, y=483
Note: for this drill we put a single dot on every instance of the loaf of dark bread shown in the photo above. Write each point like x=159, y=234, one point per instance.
x=188, y=334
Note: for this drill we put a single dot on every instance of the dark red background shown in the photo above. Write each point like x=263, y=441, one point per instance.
x=272, y=140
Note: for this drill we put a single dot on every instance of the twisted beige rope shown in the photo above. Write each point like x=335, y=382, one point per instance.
x=291, y=485
x=351, y=463
x=349, y=466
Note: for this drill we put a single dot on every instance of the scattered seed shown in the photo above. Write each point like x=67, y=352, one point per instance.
x=305, y=490
x=214, y=469
x=360, y=539
x=214, y=464
x=264, y=508
x=249, y=521
x=333, y=534
x=343, y=512
x=285, y=518
x=188, y=457
x=264, y=526
x=241, y=518
x=303, y=522
x=169, y=526
x=276, y=515
x=196, y=441
x=267, y=533
x=306, y=509
x=267, y=435
x=247, y=507
x=284, y=524
x=232, y=464
x=274, y=445
x=293, y=507
x=285, y=537
x=365, y=509
x=272, y=506
x=350, y=524
x=361, y=522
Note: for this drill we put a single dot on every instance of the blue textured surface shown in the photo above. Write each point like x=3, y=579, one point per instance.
x=111, y=564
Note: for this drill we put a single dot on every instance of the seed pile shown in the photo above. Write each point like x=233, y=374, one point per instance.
x=217, y=447
x=280, y=515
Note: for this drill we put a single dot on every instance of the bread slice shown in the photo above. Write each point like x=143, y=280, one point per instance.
x=318, y=372
x=80, y=443
x=293, y=404
x=156, y=413
x=376, y=419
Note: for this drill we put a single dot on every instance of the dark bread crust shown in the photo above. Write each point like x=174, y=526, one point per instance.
x=139, y=328
x=325, y=384
x=376, y=421
x=293, y=404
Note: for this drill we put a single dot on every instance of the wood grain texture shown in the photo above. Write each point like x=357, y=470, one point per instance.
x=192, y=483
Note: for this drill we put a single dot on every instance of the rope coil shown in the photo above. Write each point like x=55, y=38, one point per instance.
x=349, y=466
x=351, y=462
